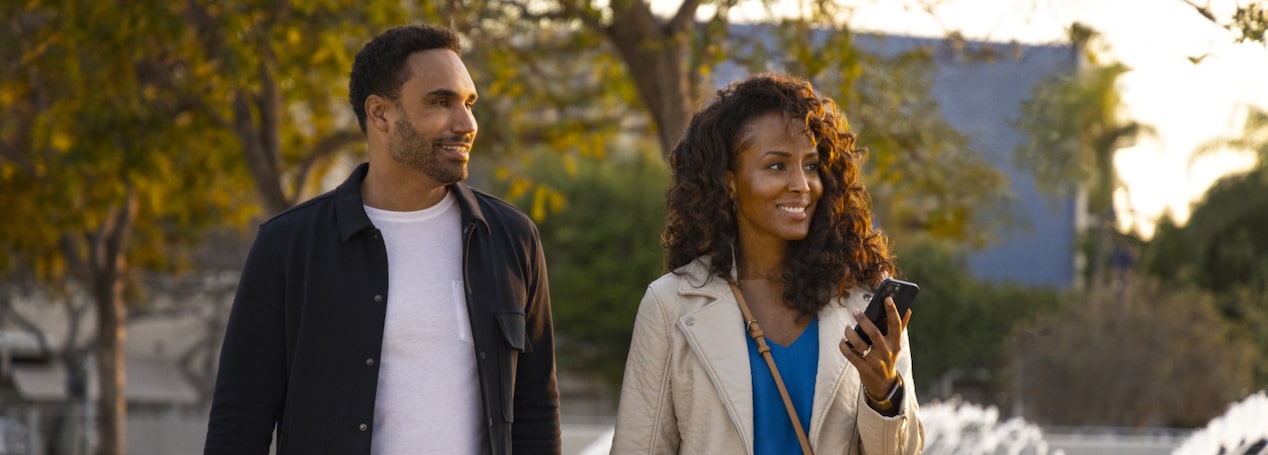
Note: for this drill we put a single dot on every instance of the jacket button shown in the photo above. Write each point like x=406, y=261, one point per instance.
x=369, y=360
x=363, y=427
x=691, y=321
x=378, y=297
x=481, y=355
x=490, y=423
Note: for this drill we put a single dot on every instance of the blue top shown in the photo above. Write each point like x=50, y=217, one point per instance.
x=798, y=364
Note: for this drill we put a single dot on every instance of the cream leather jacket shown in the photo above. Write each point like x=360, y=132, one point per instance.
x=688, y=387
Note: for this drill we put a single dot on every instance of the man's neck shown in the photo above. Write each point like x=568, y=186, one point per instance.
x=400, y=190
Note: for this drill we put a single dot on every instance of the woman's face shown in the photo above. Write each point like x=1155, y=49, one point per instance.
x=776, y=179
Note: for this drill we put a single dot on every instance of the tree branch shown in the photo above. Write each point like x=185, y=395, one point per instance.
x=1205, y=11
x=13, y=315
x=267, y=104
x=323, y=148
x=685, y=16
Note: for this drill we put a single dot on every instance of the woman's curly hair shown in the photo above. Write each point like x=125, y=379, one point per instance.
x=842, y=249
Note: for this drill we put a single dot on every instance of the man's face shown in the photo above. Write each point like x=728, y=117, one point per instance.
x=434, y=127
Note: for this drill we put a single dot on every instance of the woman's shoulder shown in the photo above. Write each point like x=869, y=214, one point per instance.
x=692, y=279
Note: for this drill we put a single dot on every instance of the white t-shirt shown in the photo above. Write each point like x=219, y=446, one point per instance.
x=428, y=398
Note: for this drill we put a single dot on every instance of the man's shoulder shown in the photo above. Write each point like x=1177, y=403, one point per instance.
x=302, y=214
x=500, y=213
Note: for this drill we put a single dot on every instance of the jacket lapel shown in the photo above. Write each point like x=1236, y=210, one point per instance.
x=715, y=333
x=834, y=370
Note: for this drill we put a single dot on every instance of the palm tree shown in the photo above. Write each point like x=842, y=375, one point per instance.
x=1075, y=126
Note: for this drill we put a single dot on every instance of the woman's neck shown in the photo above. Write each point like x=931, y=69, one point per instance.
x=758, y=259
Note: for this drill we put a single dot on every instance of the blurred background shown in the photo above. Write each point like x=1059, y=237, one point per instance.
x=1079, y=187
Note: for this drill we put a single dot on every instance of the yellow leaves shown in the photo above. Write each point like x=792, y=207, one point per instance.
x=518, y=188
x=61, y=141
x=293, y=37
x=546, y=200
x=8, y=96
x=570, y=165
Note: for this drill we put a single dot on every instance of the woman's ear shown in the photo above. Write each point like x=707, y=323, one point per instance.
x=729, y=178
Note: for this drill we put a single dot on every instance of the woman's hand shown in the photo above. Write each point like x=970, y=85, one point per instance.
x=877, y=365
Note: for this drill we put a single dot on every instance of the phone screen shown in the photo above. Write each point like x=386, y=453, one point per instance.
x=904, y=294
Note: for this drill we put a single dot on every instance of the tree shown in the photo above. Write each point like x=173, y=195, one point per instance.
x=135, y=127
x=104, y=164
x=274, y=74
x=1223, y=248
x=1075, y=126
x=1249, y=22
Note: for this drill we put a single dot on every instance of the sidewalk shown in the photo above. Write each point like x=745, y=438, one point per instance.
x=577, y=437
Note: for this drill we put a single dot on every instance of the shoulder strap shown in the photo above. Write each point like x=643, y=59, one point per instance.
x=755, y=331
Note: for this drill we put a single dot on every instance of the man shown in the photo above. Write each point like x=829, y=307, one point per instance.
x=403, y=312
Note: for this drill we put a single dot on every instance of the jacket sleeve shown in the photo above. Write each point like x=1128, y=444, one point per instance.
x=901, y=434
x=645, y=419
x=536, y=427
x=251, y=383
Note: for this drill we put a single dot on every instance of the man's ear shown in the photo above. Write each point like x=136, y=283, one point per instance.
x=377, y=110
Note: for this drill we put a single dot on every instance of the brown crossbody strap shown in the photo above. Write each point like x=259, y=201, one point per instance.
x=755, y=331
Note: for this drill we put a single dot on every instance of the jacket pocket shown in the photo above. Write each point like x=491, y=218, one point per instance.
x=514, y=334
x=513, y=331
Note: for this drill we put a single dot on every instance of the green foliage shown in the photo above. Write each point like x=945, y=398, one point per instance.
x=1074, y=127
x=602, y=250
x=959, y=322
x=1251, y=21
x=1224, y=250
x=1223, y=246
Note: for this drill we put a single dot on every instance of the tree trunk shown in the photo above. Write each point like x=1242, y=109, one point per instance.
x=655, y=56
x=108, y=269
x=111, y=336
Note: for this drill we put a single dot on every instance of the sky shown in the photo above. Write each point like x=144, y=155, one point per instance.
x=1188, y=104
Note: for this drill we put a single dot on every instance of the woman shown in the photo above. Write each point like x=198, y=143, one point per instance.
x=766, y=206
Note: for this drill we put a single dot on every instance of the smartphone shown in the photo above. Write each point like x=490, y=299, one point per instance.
x=903, y=292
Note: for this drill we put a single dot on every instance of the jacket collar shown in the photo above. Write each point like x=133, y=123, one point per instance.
x=350, y=207
x=699, y=280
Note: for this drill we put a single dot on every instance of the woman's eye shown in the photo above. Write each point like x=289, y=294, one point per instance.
x=775, y=166
x=812, y=166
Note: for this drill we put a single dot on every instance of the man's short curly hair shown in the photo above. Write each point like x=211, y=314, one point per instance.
x=379, y=68
x=842, y=249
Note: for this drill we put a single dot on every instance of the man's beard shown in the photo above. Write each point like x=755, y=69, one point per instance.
x=413, y=149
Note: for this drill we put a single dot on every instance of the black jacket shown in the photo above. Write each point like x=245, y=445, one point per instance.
x=302, y=345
